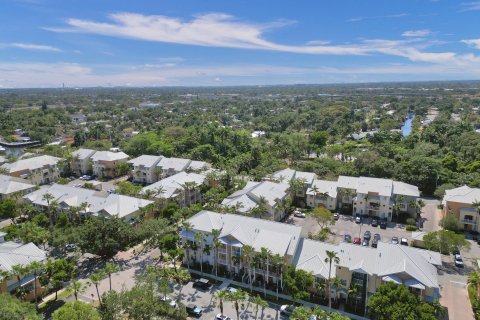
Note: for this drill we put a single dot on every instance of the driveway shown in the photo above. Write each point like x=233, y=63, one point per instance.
x=431, y=215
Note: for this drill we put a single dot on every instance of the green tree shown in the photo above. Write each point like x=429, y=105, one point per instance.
x=13, y=309
x=395, y=302
x=331, y=258
x=445, y=241
x=95, y=279
x=8, y=209
x=57, y=272
x=237, y=298
x=451, y=222
x=108, y=270
x=220, y=296
x=323, y=217
x=258, y=303
x=76, y=310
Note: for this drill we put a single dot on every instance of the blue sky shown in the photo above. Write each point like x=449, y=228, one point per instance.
x=45, y=43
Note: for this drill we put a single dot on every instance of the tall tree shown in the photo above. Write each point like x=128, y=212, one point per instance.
x=331, y=258
x=108, y=270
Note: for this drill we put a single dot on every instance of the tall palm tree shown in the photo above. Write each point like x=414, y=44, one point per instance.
x=49, y=198
x=19, y=271
x=96, y=278
x=187, y=226
x=36, y=267
x=78, y=287
x=258, y=303
x=354, y=292
x=331, y=258
x=247, y=254
x=181, y=277
x=220, y=296
x=108, y=270
x=216, y=245
x=337, y=285
x=277, y=262
x=237, y=298
x=264, y=256
x=200, y=241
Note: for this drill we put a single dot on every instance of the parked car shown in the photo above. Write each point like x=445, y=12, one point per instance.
x=383, y=224
x=231, y=289
x=222, y=317
x=202, y=283
x=170, y=302
x=287, y=309
x=347, y=238
x=70, y=247
x=374, y=223
x=299, y=214
x=358, y=220
x=193, y=310
x=365, y=243
x=336, y=216
x=367, y=235
x=404, y=241
x=357, y=240
x=394, y=240
x=458, y=261
x=377, y=237
x=374, y=243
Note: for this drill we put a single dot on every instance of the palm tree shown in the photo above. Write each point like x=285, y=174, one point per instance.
x=200, y=241
x=331, y=257
x=187, y=227
x=474, y=281
x=49, y=198
x=96, y=278
x=216, y=244
x=78, y=287
x=354, y=292
x=259, y=303
x=277, y=261
x=336, y=284
x=247, y=254
x=237, y=297
x=182, y=277
x=36, y=267
x=220, y=296
x=264, y=256
x=108, y=270
x=19, y=271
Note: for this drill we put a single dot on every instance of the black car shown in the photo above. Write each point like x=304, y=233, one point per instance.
x=374, y=243
x=377, y=236
x=202, y=283
x=374, y=223
x=367, y=235
x=347, y=238
x=193, y=310
x=383, y=224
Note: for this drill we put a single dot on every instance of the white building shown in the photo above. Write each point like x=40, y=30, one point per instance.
x=170, y=166
x=37, y=170
x=145, y=169
x=98, y=203
x=105, y=163
x=182, y=187
x=273, y=196
x=11, y=187
x=81, y=163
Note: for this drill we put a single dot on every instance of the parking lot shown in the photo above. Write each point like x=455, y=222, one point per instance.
x=346, y=225
x=105, y=185
x=204, y=299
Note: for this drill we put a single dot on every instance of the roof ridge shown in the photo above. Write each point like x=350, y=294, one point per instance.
x=414, y=263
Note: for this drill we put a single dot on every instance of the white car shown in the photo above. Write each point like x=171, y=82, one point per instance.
x=231, y=289
x=299, y=214
x=459, y=261
x=358, y=220
x=222, y=317
x=170, y=302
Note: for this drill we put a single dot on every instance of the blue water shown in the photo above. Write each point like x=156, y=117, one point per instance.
x=407, y=125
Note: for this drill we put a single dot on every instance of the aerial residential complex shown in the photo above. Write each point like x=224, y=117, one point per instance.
x=464, y=203
x=37, y=170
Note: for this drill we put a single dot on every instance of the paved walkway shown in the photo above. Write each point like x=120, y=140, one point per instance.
x=432, y=215
x=455, y=299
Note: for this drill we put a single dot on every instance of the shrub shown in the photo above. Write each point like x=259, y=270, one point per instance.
x=411, y=228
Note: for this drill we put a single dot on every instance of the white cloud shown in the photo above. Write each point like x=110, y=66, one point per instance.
x=222, y=30
x=318, y=42
x=470, y=6
x=473, y=42
x=416, y=33
x=30, y=46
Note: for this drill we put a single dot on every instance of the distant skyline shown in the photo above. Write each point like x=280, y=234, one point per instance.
x=45, y=43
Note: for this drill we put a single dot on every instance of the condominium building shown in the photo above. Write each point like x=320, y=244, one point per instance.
x=105, y=163
x=81, y=162
x=145, y=170
x=464, y=203
x=36, y=170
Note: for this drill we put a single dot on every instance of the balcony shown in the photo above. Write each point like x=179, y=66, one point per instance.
x=468, y=221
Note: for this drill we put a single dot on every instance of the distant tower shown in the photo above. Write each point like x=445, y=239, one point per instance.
x=63, y=85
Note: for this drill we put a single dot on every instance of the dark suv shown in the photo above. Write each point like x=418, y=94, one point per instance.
x=193, y=310
x=202, y=284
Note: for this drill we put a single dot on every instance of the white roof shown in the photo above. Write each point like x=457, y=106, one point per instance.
x=280, y=238
x=387, y=260
x=288, y=174
x=241, y=200
x=249, y=196
x=198, y=165
x=463, y=194
x=175, y=164
x=347, y=182
x=109, y=156
x=82, y=154
x=69, y=196
x=405, y=189
x=383, y=187
x=145, y=160
x=31, y=163
x=12, y=253
x=170, y=185
x=9, y=185
x=324, y=186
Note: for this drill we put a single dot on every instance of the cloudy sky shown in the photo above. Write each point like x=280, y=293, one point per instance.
x=44, y=43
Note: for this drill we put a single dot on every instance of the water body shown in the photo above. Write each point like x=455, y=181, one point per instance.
x=407, y=125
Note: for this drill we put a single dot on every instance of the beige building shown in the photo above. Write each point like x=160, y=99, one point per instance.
x=11, y=187
x=464, y=203
x=145, y=170
x=81, y=162
x=105, y=163
x=36, y=170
